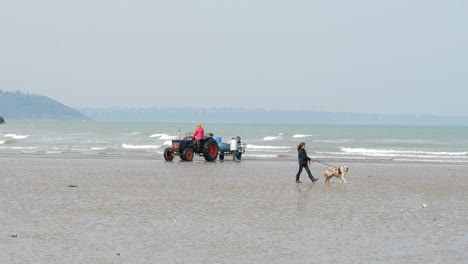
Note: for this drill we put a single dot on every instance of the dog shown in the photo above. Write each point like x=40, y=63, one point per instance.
x=338, y=172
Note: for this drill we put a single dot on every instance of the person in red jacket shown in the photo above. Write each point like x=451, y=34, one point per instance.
x=199, y=132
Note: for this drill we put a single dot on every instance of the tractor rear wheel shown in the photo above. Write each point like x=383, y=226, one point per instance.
x=169, y=154
x=210, y=149
x=188, y=154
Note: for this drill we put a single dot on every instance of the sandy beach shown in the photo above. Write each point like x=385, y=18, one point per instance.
x=152, y=211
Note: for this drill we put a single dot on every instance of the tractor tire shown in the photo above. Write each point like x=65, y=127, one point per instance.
x=169, y=154
x=188, y=154
x=210, y=149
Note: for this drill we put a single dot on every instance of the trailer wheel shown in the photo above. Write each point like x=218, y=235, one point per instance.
x=169, y=154
x=221, y=156
x=188, y=154
x=210, y=149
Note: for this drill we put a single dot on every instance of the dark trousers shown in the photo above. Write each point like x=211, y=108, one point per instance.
x=306, y=167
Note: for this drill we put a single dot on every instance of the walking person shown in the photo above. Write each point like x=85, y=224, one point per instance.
x=303, y=162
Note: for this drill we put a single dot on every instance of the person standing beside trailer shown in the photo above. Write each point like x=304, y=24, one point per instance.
x=303, y=160
x=233, y=148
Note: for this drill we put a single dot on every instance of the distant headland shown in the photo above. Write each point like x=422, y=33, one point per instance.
x=21, y=106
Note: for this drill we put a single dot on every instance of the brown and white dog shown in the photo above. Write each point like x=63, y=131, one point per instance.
x=338, y=172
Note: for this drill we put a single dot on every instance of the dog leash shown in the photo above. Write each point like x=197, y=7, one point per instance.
x=323, y=163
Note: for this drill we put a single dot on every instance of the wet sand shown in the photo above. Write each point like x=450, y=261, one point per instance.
x=145, y=211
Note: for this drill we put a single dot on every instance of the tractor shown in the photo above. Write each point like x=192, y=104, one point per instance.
x=187, y=147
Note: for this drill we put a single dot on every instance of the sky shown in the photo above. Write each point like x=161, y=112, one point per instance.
x=361, y=56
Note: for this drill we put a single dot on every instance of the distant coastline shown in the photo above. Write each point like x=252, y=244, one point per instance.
x=242, y=115
x=23, y=106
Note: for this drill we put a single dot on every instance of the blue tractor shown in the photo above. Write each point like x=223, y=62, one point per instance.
x=187, y=147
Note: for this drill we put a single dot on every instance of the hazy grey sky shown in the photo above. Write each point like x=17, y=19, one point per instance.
x=390, y=57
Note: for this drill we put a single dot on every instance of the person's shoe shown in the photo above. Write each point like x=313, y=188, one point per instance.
x=298, y=182
x=314, y=179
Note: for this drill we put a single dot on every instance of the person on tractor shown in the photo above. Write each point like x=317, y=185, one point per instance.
x=199, y=132
x=198, y=135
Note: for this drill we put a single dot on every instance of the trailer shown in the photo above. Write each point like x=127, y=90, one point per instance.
x=225, y=149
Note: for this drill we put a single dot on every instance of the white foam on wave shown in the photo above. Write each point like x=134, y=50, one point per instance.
x=431, y=160
x=167, y=143
x=301, y=136
x=270, y=138
x=2, y=142
x=250, y=146
x=336, y=141
x=270, y=150
x=127, y=146
x=96, y=148
x=261, y=156
x=365, y=151
x=53, y=152
x=20, y=148
x=163, y=136
x=16, y=136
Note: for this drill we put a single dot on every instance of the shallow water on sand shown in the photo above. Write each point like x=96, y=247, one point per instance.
x=142, y=211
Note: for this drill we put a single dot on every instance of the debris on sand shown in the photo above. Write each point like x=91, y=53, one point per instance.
x=72, y=186
x=13, y=235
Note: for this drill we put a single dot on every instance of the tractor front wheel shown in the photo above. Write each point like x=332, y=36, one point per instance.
x=169, y=154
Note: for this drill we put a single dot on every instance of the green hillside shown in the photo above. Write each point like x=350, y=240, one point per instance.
x=21, y=106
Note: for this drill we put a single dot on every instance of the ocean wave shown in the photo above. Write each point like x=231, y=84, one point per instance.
x=21, y=148
x=301, y=136
x=389, y=152
x=336, y=141
x=163, y=136
x=250, y=146
x=270, y=150
x=127, y=146
x=14, y=136
x=167, y=143
x=270, y=138
x=261, y=156
x=432, y=160
x=53, y=152
x=365, y=151
x=96, y=148
x=2, y=142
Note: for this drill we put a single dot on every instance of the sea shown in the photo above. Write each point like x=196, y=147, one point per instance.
x=330, y=144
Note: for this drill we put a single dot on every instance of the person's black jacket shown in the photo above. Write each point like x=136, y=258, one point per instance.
x=302, y=155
